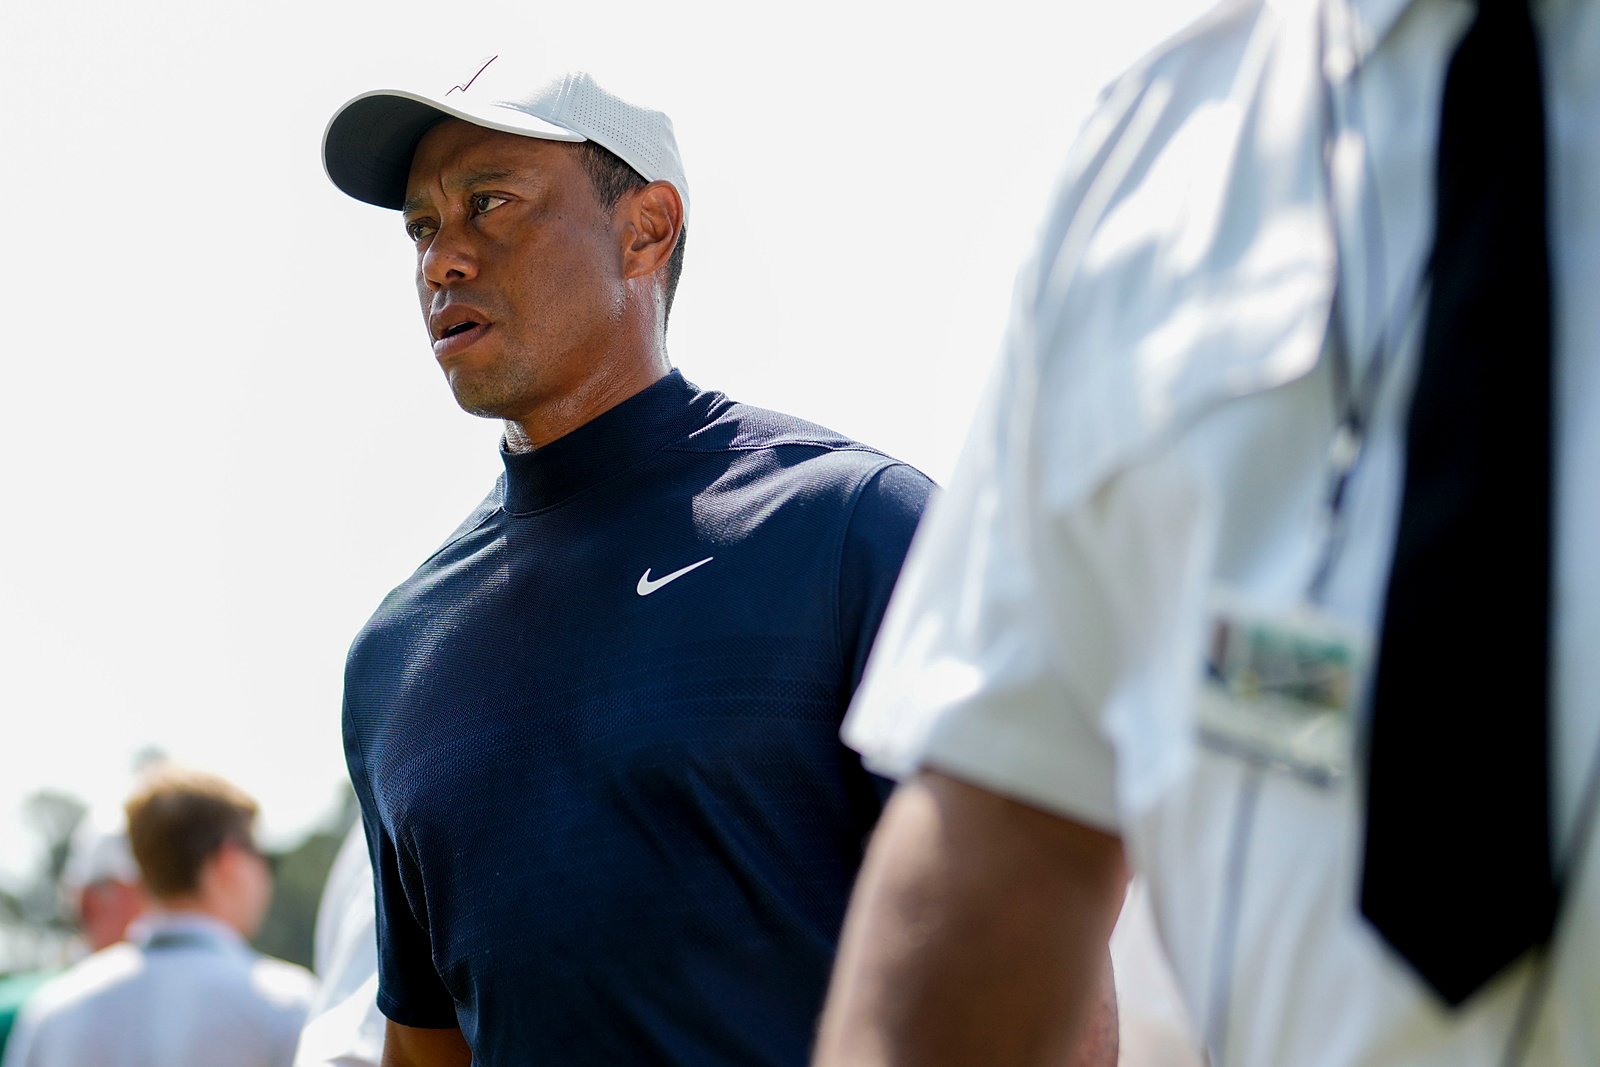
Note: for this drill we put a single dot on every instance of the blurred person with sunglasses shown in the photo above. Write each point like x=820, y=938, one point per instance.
x=186, y=990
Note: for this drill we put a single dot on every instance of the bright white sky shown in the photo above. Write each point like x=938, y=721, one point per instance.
x=224, y=436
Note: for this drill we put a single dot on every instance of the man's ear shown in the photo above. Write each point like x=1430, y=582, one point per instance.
x=225, y=863
x=653, y=220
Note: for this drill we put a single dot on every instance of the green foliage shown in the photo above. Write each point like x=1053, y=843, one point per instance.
x=299, y=876
x=36, y=918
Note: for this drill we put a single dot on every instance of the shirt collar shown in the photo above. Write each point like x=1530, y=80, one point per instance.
x=188, y=927
x=605, y=445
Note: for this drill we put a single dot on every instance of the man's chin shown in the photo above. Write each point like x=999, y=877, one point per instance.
x=485, y=409
x=487, y=399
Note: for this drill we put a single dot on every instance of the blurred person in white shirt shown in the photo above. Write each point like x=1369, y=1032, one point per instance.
x=100, y=883
x=344, y=1027
x=102, y=879
x=186, y=990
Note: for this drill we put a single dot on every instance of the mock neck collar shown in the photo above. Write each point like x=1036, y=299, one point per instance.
x=605, y=445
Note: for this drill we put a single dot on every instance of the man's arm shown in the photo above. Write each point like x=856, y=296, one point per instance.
x=977, y=935
x=408, y=1046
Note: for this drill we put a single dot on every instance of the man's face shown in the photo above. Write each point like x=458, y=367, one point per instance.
x=518, y=270
x=105, y=908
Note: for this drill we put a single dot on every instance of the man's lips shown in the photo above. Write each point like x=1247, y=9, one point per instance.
x=459, y=337
x=456, y=327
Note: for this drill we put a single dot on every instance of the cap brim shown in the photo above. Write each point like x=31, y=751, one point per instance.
x=369, y=142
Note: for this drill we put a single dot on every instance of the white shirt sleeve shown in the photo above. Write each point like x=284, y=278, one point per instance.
x=1044, y=639
x=1040, y=655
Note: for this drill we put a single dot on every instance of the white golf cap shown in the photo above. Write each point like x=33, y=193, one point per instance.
x=369, y=142
x=99, y=851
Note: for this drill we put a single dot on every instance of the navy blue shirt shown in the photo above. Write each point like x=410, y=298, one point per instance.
x=595, y=739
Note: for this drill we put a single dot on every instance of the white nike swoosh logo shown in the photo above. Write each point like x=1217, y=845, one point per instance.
x=646, y=586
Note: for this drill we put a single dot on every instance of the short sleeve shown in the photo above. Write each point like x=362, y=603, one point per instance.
x=1012, y=654
x=883, y=521
x=410, y=991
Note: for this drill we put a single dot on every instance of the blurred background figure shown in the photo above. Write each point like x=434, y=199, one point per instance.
x=344, y=1027
x=187, y=989
x=102, y=879
x=101, y=884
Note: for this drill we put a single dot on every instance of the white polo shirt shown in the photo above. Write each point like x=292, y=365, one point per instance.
x=185, y=990
x=344, y=1027
x=1159, y=428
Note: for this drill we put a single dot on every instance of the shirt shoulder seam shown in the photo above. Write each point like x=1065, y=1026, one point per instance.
x=856, y=492
x=460, y=534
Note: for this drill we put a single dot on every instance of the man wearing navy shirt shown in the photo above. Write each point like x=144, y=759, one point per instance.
x=595, y=735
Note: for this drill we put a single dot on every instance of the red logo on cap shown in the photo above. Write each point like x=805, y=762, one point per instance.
x=480, y=70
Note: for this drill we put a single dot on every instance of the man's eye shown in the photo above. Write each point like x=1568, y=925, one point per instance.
x=484, y=202
x=418, y=230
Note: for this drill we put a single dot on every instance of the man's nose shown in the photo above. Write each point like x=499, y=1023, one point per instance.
x=449, y=258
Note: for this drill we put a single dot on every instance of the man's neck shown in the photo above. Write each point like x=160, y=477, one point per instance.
x=596, y=395
x=192, y=905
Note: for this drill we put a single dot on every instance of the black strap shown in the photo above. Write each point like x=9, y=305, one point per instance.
x=1458, y=873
